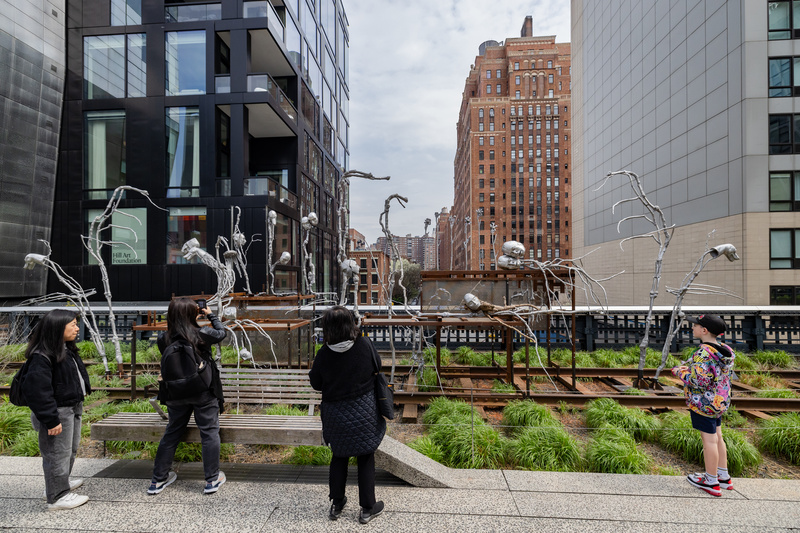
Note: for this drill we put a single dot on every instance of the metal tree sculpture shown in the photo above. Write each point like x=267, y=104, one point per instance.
x=308, y=271
x=272, y=221
x=343, y=190
x=493, y=238
x=224, y=269
x=94, y=244
x=394, y=260
x=77, y=296
x=238, y=241
x=675, y=319
x=427, y=225
x=662, y=234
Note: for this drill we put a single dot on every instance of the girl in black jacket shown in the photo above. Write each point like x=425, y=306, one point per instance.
x=344, y=370
x=54, y=386
x=182, y=326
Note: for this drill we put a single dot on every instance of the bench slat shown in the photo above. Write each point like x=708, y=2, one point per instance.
x=243, y=429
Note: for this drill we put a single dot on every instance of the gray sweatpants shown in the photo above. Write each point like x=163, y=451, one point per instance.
x=58, y=451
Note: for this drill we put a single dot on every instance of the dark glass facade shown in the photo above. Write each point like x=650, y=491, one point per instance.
x=207, y=106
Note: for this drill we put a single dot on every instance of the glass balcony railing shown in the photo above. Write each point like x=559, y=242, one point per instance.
x=189, y=13
x=222, y=84
x=264, y=83
x=262, y=186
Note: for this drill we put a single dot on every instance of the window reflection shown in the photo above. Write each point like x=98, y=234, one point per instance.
x=183, y=152
x=104, y=66
x=104, y=152
x=126, y=12
x=183, y=224
x=186, y=62
x=189, y=13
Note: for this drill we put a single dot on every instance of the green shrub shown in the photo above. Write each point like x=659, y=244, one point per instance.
x=426, y=446
x=546, y=448
x=733, y=419
x=96, y=370
x=653, y=360
x=761, y=380
x=13, y=352
x=743, y=362
x=13, y=423
x=773, y=358
x=430, y=356
x=99, y=412
x=88, y=351
x=442, y=406
x=310, y=455
x=25, y=445
x=480, y=446
x=614, y=451
x=428, y=381
x=95, y=396
x=679, y=437
x=284, y=410
x=606, y=358
x=775, y=393
x=640, y=424
x=522, y=413
x=633, y=391
x=502, y=387
x=146, y=380
x=780, y=436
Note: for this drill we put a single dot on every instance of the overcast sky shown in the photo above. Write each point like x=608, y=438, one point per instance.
x=408, y=63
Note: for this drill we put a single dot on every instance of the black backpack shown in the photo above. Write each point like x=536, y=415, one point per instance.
x=16, y=396
x=183, y=373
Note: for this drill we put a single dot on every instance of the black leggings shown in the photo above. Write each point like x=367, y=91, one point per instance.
x=366, y=479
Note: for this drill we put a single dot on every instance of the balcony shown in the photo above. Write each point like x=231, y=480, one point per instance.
x=264, y=83
x=267, y=186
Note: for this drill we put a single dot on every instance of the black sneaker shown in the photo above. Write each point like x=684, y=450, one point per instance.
x=336, y=510
x=366, y=515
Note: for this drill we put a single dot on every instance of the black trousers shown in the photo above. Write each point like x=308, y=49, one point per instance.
x=366, y=479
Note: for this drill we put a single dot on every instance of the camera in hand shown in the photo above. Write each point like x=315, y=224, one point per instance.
x=201, y=304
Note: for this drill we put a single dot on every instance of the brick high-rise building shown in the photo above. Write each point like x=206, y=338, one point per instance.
x=512, y=158
x=420, y=250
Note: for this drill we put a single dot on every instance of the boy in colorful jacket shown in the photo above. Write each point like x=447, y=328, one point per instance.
x=707, y=386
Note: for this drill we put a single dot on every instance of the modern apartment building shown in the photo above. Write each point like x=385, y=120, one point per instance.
x=697, y=98
x=373, y=275
x=512, y=158
x=417, y=249
x=210, y=106
x=32, y=73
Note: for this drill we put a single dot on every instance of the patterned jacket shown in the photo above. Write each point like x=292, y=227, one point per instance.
x=707, y=380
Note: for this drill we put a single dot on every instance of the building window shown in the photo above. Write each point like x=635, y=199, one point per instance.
x=126, y=12
x=481, y=197
x=549, y=78
x=480, y=126
x=783, y=22
x=491, y=154
x=784, y=295
x=491, y=169
x=480, y=155
x=104, y=66
x=488, y=74
x=517, y=80
x=781, y=134
x=363, y=297
x=183, y=224
x=104, y=153
x=129, y=234
x=491, y=141
x=480, y=141
x=374, y=278
x=498, y=73
x=784, y=247
x=188, y=13
x=516, y=65
x=498, y=88
x=517, y=95
x=480, y=169
x=488, y=88
x=183, y=152
x=185, y=62
x=374, y=298
x=784, y=191
x=480, y=183
x=781, y=76
x=480, y=113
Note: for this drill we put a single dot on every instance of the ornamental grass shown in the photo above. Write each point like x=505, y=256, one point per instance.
x=781, y=437
x=641, y=425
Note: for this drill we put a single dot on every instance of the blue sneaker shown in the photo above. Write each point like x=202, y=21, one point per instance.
x=213, y=487
x=158, y=486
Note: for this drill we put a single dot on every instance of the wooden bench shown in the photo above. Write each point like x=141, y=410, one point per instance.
x=269, y=386
x=240, y=429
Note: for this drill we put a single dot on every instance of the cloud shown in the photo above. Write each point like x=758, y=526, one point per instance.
x=408, y=64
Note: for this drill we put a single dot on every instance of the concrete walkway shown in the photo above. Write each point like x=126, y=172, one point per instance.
x=267, y=498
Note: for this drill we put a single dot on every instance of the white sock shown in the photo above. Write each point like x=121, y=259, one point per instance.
x=711, y=480
x=722, y=473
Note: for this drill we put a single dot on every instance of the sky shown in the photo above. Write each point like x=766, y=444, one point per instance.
x=408, y=63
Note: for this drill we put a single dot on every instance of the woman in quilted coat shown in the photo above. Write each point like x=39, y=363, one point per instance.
x=344, y=370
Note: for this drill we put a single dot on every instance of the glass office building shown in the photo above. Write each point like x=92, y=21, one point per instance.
x=208, y=106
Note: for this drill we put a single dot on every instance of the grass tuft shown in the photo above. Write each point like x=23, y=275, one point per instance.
x=781, y=437
x=284, y=410
x=614, y=451
x=521, y=413
x=310, y=455
x=546, y=448
x=640, y=424
x=426, y=446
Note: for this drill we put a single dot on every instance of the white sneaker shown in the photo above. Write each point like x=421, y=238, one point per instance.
x=157, y=487
x=69, y=501
x=73, y=484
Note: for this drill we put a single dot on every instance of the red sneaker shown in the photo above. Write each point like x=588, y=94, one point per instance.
x=699, y=481
x=726, y=484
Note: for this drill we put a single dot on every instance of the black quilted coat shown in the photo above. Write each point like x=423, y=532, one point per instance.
x=351, y=424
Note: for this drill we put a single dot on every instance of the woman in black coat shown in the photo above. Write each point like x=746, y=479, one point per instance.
x=54, y=387
x=344, y=370
x=182, y=327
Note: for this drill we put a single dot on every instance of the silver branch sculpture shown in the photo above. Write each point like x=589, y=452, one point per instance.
x=308, y=271
x=675, y=319
x=343, y=191
x=94, y=243
x=394, y=260
x=493, y=239
x=239, y=243
x=77, y=296
x=285, y=257
x=662, y=234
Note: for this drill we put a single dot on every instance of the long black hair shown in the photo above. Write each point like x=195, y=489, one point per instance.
x=338, y=325
x=48, y=335
x=182, y=323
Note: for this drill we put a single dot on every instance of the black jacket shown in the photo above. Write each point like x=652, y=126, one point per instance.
x=49, y=385
x=213, y=334
x=351, y=423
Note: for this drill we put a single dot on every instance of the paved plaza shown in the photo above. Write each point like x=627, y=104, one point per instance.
x=265, y=498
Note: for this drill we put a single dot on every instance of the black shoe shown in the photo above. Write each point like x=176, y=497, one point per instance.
x=366, y=515
x=336, y=510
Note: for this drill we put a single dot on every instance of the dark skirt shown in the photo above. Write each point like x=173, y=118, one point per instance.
x=353, y=427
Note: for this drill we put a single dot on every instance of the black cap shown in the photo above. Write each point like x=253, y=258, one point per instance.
x=714, y=324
